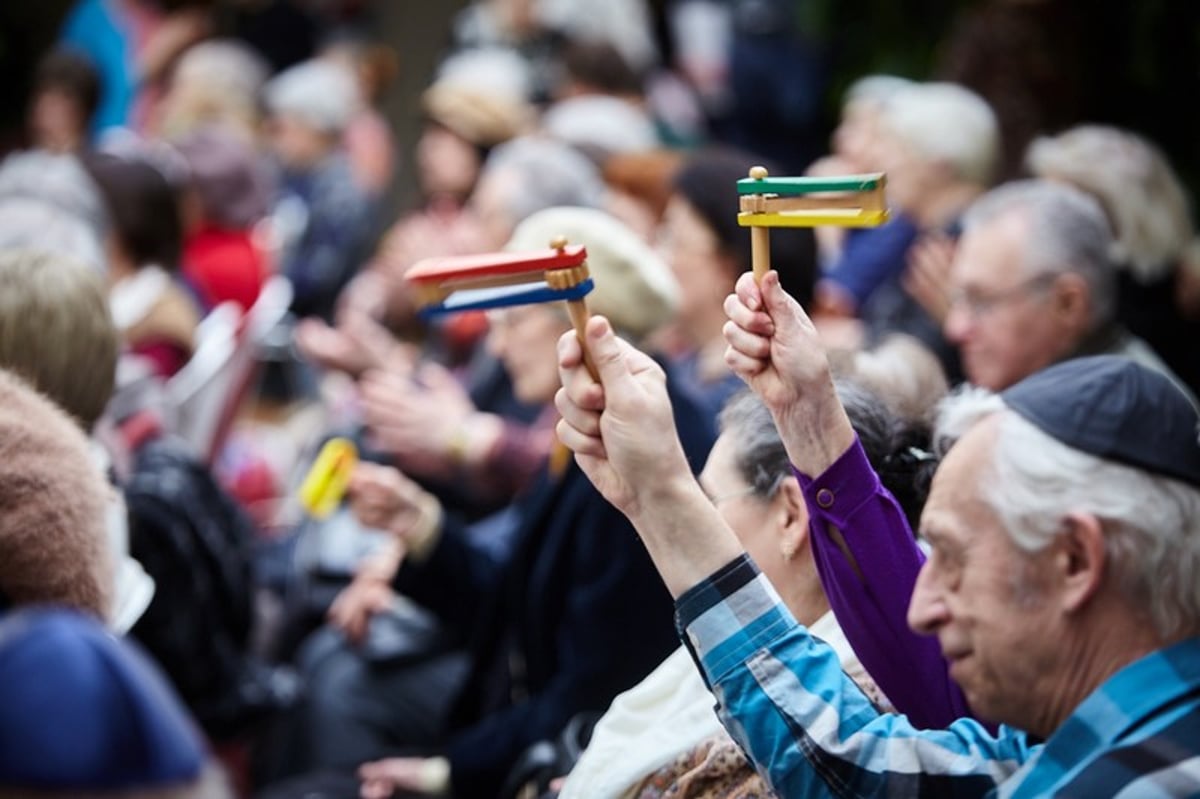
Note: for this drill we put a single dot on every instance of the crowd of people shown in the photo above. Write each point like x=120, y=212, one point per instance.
x=922, y=504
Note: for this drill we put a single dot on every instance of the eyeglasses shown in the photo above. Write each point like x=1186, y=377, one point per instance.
x=719, y=498
x=980, y=304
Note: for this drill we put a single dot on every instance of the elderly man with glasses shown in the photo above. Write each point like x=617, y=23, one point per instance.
x=1033, y=283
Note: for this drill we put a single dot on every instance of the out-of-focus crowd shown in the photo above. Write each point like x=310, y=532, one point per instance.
x=202, y=280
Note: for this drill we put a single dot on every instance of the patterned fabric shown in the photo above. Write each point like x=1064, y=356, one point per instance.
x=713, y=769
x=785, y=700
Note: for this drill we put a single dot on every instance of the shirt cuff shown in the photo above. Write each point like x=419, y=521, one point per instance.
x=702, y=596
x=730, y=616
x=843, y=487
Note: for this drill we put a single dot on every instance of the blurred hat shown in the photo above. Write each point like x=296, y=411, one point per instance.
x=601, y=125
x=635, y=289
x=321, y=93
x=52, y=529
x=81, y=711
x=483, y=120
x=481, y=95
x=1116, y=409
x=234, y=191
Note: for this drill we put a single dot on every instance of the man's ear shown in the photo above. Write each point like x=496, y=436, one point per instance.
x=1080, y=560
x=1072, y=300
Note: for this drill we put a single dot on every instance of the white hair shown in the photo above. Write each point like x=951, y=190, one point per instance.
x=321, y=93
x=875, y=89
x=547, y=173
x=948, y=123
x=1151, y=523
x=1146, y=203
x=58, y=180
x=30, y=224
x=224, y=64
x=1068, y=233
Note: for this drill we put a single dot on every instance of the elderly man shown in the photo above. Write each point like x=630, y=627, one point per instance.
x=1069, y=612
x=1033, y=283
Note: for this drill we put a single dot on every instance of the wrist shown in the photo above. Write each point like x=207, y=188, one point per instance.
x=815, y=432
x=422, y=535
x=435, y=775
x=685, y=535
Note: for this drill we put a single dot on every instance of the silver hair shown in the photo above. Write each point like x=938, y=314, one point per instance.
x=874, y=89
x=547, y=173
x=759, y=453
x=31, y=224
x=56, y=180
x=1145, y=201
x=948, y=123
x=1068, y=233
x=1151, y=523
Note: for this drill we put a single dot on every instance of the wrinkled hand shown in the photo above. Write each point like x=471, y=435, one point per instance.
x=773, y=345
x=382, y=778
x=775, y=348
x=382, y=498
x=927, y=276
x=358, y=343
x=428, y=426
x=622, y=430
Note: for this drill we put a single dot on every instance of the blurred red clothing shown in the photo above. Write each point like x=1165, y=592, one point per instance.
x=224, y=265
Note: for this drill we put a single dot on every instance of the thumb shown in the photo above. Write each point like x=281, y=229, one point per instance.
x=606, y=351
x=783, y=309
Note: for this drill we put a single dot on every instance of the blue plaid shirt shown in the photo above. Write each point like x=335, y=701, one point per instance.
x=783, y=697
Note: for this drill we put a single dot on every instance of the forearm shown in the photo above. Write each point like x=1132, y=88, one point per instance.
x=815, y=432
x=685, y=535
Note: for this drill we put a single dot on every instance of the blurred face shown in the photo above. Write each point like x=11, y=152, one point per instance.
x=491, y=202
x=56, y=122
x=525, y=339
x=856, y=139
x=298, y=145
x=448, y=163
x=691, y=249
x=910, y=177
x=748, y=515
x=979, y=594
x=1004, y=320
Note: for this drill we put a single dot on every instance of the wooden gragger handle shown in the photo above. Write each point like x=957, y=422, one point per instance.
x=579, y=318
x=760, y=252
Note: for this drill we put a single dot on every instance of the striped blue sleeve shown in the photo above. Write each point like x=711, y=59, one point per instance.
x=811, y=731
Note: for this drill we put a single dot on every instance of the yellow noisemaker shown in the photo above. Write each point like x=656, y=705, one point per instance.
x=325, y=484
x=843, y=201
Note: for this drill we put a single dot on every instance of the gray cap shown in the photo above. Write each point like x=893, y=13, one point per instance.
x=1116, y=409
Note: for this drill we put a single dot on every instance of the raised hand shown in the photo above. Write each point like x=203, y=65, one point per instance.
x=775, y=349
x=622, y=432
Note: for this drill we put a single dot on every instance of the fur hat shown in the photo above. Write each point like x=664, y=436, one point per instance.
x=53, y=538
x=635, y=289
